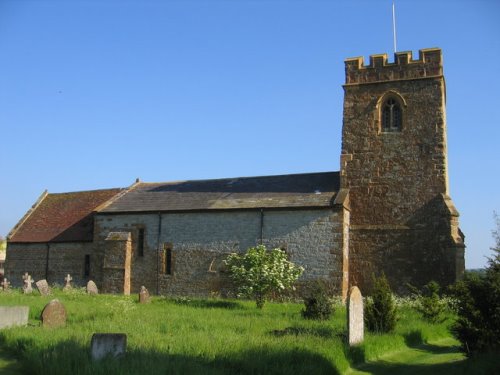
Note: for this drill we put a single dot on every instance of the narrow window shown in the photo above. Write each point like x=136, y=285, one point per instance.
x=86, y=269
x=166, y=260
x=140, y=242
x=391, y=116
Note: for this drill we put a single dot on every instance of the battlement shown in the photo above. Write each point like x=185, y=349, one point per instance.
x=429, y=64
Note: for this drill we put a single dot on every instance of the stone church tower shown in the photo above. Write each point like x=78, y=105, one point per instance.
x=394, y=165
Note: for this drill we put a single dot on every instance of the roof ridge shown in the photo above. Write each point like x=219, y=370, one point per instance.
x=86, y=191
x=236, y=178
x=117, y=196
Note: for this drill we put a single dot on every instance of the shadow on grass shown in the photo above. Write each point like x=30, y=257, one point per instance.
x=70, y=357
x=325, y=332
x=208, y=304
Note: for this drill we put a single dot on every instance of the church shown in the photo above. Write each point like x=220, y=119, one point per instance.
x=387, y=210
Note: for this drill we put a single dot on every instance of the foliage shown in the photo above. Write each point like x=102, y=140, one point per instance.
x=318, y=305
x=259, y=273
x=210, y=337
x=478, y=323
x=380, y=309
x=429, y=303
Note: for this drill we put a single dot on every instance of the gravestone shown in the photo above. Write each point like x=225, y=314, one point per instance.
x=68, y=280
x=144, y=296
x=355, y=318
x=92, y=288
x=27, y=281
x=54, y=314
x=104, y=344
x=5, y=285
x=43, y=287
x=11, y=316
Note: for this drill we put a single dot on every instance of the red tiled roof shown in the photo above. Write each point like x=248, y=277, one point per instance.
x=63, y=217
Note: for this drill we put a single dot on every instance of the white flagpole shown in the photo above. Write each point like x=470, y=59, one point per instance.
x=394, y=25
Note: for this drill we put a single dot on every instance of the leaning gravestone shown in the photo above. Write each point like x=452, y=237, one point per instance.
x=54, y=314
x=144, y=296
x=104, y=344
x=27, y=281
x=43, y=287
x=92, y=288
x=355, y=319
x=11, y=316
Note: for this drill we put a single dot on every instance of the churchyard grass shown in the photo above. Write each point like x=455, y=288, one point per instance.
x=201, y=336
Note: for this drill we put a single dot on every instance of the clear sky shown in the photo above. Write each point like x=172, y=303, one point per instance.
x=96, y=93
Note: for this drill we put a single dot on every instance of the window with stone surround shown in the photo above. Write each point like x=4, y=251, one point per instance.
x=166, y=259
x=86, y=267
x=140, y=242
x=391, y=115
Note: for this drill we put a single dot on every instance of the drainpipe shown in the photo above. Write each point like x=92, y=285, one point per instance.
x=158, y=256
x=261, y=225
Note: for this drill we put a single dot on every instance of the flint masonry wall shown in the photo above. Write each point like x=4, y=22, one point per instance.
x=52, y=261
x=398, y=181
x=201, y=240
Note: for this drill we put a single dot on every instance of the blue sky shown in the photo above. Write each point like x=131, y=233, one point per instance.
x=96, y=93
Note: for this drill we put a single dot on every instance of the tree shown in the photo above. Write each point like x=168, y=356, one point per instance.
x=478, y=305
x=259, y=272
x=380, y=310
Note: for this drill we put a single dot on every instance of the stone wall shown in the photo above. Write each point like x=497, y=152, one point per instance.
x=63, y=258
x=396, y=180
x=199, y=242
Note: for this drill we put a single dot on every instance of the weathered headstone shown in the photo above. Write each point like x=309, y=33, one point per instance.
x=355, y=319
x=27, y=281
x=5, y=285
x=43, y=287
x=68, y=280
x=54, y=314
x=104, y=344
x=11, y=316
x=144, y=296
x=92, y=288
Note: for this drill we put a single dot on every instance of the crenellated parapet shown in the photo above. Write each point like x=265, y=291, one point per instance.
x=429, y=64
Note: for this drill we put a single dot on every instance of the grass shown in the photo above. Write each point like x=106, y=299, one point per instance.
x=195, y=336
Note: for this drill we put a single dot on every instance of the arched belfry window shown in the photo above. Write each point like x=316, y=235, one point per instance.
x=391, y=115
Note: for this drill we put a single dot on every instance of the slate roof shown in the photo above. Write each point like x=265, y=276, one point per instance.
x=61, y=217
x=283, y=191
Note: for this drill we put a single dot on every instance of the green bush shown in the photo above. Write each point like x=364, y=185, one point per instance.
x=430, y=304
x=318, y=305
x=380, y=309
x=260, y=273
x=478, y=306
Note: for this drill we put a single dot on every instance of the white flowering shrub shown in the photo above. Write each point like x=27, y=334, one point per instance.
x=259, y=273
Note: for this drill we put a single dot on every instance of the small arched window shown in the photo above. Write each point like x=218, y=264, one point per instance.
x=391, y=116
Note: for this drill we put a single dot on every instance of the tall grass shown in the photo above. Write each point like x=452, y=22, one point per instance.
x=180, y=336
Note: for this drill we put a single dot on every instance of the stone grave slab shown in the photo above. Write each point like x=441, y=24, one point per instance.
x=54, y=314
x=92, y=288
x=108, y=344
x=11, y=316
x=43, y=287
x=355, y=318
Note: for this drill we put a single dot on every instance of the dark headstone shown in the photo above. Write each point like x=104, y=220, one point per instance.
x=54, y=314
x=92, y=288
x=104, y=344
x=43, y=287
x=11, y=316
x=355, y=320
x=144, y=296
